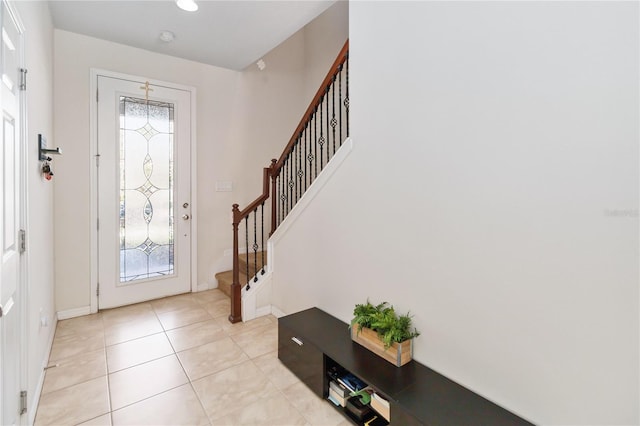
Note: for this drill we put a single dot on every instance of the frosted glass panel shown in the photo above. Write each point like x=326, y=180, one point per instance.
x=146, y=189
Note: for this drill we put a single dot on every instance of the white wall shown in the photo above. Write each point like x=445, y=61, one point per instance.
x=324, y=37
x=39, y=61
x=493, y=193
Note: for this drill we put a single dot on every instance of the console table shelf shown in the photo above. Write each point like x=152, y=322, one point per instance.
x=310, y=341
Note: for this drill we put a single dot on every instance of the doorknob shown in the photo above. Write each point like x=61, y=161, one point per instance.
x=185, y=216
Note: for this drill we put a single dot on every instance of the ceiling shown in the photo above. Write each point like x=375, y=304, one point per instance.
x=229, y=34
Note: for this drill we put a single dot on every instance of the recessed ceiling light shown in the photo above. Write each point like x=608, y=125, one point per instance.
x=167, y=36
x=188, y=5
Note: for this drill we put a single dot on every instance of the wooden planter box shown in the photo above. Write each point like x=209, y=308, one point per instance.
x=397, y=354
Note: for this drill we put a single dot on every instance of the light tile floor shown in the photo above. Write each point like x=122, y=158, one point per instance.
x=174, y=361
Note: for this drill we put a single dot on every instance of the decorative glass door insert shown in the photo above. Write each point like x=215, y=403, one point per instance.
x=146, y=189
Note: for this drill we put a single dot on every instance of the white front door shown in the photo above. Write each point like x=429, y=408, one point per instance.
x=144, y=182
x=11, y=217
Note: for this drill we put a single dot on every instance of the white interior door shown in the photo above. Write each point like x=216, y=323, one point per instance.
x=11, y=217
x=144, y=200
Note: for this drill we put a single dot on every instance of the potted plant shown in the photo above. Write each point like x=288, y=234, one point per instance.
x=379, y=329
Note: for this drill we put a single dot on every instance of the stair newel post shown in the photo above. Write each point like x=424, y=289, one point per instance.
x=274, y=196
x=236, y=288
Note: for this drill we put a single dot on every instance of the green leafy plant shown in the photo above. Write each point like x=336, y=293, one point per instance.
x=363, y=395
x=383, y=319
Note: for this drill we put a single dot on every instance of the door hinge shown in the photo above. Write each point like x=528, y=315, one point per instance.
x=98, y=224
x=22, y=240
x=98, y=290
x=23, y=402
x=97, y=160
x=23, y=79
x=97, y=96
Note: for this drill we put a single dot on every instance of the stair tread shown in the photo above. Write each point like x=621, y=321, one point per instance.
x=228, y=276
x=225, y=278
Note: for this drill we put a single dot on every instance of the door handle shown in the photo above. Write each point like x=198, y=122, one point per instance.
x=185, y=216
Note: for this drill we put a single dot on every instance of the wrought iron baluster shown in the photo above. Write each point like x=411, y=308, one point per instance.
x=291, y=180
x=340, y=101
x=334, y=122
x=346, y=99
x=326, y=96
x=300, y=172
x=296, y=189
x=255, y=244
x=262, y=252
x=246, y=235
x=306, y=142
x=282, y=196
x=286, y=188
x=275, y=198
x=321, y=140
x=315, y=145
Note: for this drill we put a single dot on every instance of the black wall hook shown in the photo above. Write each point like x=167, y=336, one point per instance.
x=42, y=149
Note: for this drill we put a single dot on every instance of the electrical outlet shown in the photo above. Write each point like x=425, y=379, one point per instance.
x=44, y=320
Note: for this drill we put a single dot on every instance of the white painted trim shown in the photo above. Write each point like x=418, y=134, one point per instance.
x=277, y=312
x=249, y=298
x=93, y=182
x=23, y=259
x=35, y=401
x=263, y=311
x=75, y=312
x=193, y=195
x=202, y=287
x=93, y=149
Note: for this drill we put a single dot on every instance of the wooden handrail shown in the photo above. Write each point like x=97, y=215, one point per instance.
x=238, y=215
x=314, y=103
x=270, y=176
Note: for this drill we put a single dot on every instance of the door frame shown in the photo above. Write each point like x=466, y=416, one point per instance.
x=93, y=158
x=22, y=287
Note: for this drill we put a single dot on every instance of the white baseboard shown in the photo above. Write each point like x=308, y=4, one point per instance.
x=277, y=312
x=206, y=286
x=263, y=311
x=75, y=312
x=35, y=401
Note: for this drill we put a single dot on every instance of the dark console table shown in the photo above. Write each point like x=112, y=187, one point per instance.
x=312, y=342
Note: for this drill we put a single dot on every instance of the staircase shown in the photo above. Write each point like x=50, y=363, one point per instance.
x=250, y=265
x=319, y=135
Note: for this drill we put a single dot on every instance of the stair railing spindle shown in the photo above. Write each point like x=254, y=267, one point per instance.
x=262, y=242
x=327, y=116
x=246, y=228
x=255, y=247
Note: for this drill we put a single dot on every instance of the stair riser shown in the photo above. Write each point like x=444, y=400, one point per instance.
x=255, y=264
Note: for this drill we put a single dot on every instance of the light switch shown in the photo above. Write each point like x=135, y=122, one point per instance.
x=224, y=186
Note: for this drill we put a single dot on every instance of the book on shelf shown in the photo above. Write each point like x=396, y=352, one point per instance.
x=381, y=406
x=334, y=401
x=351, y=382
x=336, y=398
x=339, y=389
